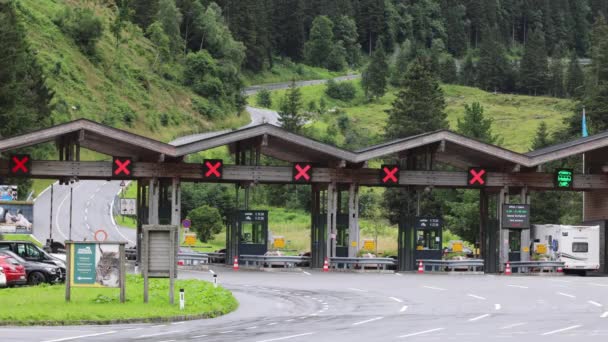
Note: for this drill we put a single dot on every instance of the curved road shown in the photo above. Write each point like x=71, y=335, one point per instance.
x=314, y=306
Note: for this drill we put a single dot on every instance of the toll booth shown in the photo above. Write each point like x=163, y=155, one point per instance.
x=247, y=234
x=419, y=238
x=342, y=235
x=515, y=232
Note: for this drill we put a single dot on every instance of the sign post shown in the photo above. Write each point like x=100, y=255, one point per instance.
x=95, y=264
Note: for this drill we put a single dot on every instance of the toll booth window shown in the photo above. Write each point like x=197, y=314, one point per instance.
x=427, y=239
x=342, y=237
x=580, y=247
x=252, y=233
x=514, y=241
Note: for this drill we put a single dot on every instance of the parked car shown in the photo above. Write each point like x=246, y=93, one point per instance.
x=2, y=278
x=30, y=252
x=37, y=272
x=15, y=272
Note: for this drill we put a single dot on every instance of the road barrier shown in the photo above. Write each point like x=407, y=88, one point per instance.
x=468, y=265
x=262, y=261
x=343, y=263
x=536, y=266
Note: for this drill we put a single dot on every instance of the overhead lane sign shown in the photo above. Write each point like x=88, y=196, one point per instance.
x=477, y=177
x=389, y=174
x=20, y=164
x=122, y=167
x=213, y=168
x=302, y=172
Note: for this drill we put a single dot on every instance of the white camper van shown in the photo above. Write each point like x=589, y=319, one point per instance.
x=577, y=246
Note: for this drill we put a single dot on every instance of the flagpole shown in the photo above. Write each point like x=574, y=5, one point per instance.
x=585, y=134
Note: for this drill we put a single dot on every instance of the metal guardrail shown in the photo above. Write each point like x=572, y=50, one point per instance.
x=535, y=266
x=216, y=258
x=191, y=259
x=469, y=265
x=344, y=263
x=262, y=261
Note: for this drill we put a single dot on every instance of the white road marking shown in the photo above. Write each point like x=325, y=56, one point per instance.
x=306, y=273
x=604, y=315
x=514, y=325
x=396, y=299
x=112, y=216
x=478, y=318
x=566, y=295
x=421, y=332
x=367, y=321
x=289, y=320
x=403, y=308
x=211, y=271
x=518, y=286
x=157, y=326
x=560, y=330
x=435, y=288
x=399, y=274
x=273, y=323
x=497, y=306
x=81, y=336
x=226, y=332
x=253, y=327
x=476, y=296
x=134, y=329
x=286, y=337
x=355, y=289
x=168, y=341
x=594, y=303
x=199, y=336
x=161, y=333
x=175, y=323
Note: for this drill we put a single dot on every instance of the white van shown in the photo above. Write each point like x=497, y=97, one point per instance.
x=577, y=246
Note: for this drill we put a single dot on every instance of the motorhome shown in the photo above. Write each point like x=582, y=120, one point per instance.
x=577, y=246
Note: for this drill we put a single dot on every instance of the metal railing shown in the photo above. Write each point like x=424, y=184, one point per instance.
x=469, y=265
x=344, y=263
x=535, y=266
x=192, y=259
x=262, y=261
x=216, y=258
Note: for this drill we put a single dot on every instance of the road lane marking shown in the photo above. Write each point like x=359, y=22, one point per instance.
x=110, y=212
x=421, y=332
x=273, y=323
x=396, y=299
x=226, y=332
x=289, y=320
x=476, y=296
x=253, y=327
x=594, y=303
x=435, y=288
x=355, y=289
x=604, y=315
x=306, y=273
x=160, y=333
x=478, y=318
x=514, y=325
x=560, y=330
x=399, y=274
x=566, y=295
x=81, y=336
x=368, y=321
x=497, y=306
x=518, y=286
x=199, y=336
x=175, y=323
x=403, y=308
x=286, y=337
x=168, y=341
x=157, y=326
x=211, y=271
x=134, y=329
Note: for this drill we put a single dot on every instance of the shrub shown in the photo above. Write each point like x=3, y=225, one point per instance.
x=83, y=26
x=344, y=91
x=264, y=99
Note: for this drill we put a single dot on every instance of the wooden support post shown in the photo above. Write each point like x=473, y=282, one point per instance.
x=353, y=220
x=123, y=273
x=153, y=198
x=331, y=194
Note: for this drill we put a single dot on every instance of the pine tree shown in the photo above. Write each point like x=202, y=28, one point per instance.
x=419, y=106
x=345, y=30
x=493, y=67
x=541, y=139
x=288, y=28
x=534, y=69
x=170, y=17
x=321, y=41
x=476, y=125
x=374, y=77
x=575, y=79
x=454, y=15
x=291, y=117
x=596, y=94
x=468, y=72
x=556, y=76
x=447, y=70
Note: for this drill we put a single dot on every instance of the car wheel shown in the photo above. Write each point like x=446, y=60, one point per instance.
x=36, y=278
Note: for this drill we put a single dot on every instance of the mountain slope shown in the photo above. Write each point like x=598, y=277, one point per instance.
x=120, y=85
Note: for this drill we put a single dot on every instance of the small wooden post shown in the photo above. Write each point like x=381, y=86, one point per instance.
x=121, y=253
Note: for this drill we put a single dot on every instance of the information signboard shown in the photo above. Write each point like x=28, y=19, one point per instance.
x=128, y=206
x=427, y=223
x=516, y=216
x=369, y=245
x=190, y=239
x=16, y=217
x=564, y=178
x=279, y=242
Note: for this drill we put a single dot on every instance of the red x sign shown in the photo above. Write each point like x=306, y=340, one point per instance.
x=477, y=176
x=302, y=172
x=389, y=174
x=122, y=167
x=20, y=164
x=212, y=168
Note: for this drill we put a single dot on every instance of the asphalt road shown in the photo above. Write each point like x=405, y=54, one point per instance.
x=321, y=307
x=91, y=204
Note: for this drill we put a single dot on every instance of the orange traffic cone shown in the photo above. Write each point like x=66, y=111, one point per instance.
x=325, y=266
x=235, y=265
x=420, y=267
x=508, y=269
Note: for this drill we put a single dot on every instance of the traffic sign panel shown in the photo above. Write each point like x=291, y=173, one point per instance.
x=213, y=168
x=186, y=223
x=20, y=164
x=477, y=176
x=389, y=174
x=122, y=167
x=302, y=172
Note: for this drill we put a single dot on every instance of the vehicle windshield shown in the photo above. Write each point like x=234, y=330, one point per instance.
x=10, y=254
x=10, y=260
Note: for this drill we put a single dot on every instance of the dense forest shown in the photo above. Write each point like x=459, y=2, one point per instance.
x=201, y=50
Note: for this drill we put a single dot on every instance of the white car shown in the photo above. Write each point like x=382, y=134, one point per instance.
x=2, y=278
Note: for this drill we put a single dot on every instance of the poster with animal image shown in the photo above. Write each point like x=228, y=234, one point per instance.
x=94, y=265
x=16, y=217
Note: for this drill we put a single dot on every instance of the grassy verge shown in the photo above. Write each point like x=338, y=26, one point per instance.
x=126, y=221
x=20, y=237
x=46, y=305
x=38, y=185
x=516, y=117
x=285, y=71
